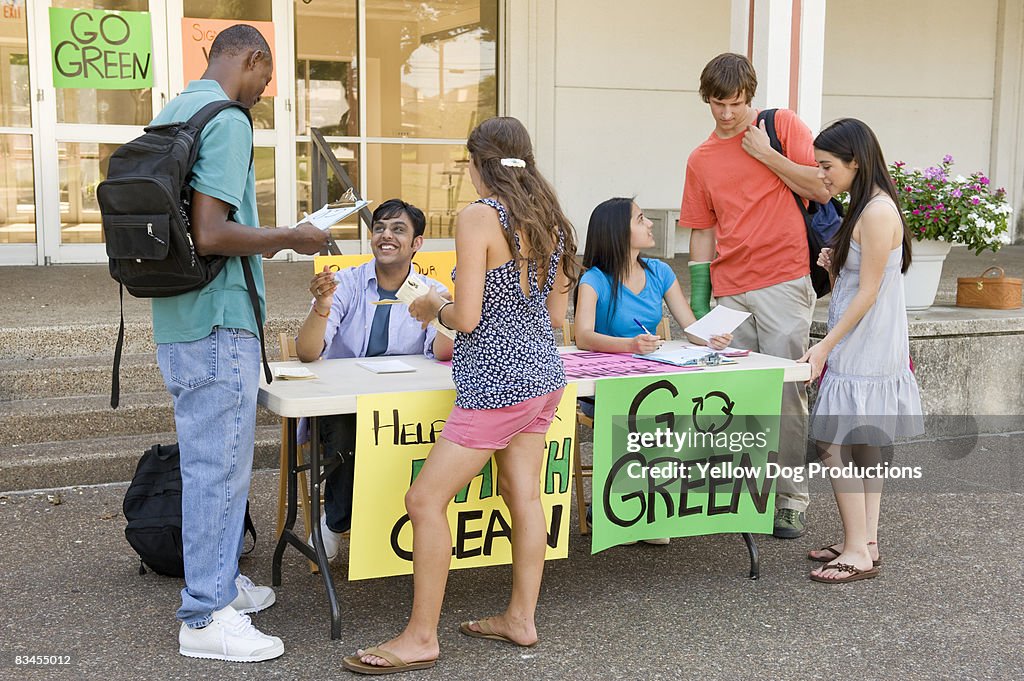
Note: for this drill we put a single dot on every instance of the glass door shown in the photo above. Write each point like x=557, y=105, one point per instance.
x=81, y=123
x=18, y=240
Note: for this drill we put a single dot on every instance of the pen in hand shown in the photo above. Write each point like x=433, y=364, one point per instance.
x=642, y=327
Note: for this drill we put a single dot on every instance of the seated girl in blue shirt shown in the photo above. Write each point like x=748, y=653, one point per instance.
x=620, y=288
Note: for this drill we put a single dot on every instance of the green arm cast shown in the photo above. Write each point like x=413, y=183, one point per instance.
x=700, y=288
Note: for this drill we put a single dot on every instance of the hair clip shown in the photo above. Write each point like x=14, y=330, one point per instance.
x=513, y=163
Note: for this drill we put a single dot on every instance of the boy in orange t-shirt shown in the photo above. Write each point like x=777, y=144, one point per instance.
x=737, y=199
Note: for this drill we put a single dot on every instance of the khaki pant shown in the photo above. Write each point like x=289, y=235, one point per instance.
x=780, y=325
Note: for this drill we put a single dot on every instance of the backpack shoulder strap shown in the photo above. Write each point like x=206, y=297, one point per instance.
x=206, y=114
x=200, y=118
x=768, y=116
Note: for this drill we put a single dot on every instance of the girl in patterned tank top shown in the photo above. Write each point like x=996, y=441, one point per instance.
x=516, y=264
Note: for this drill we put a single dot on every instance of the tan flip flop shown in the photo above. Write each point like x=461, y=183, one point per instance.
x=353, y=663
x=487, y=632
x=835, y=554
x=854, y=574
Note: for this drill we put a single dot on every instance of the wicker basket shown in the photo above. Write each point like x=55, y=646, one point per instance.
x=993, y=290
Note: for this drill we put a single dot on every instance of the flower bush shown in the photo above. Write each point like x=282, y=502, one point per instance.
x=956, y=209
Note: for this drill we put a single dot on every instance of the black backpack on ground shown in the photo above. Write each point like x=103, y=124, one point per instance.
x=152, y=507
x=146, y=204
x=822, y=220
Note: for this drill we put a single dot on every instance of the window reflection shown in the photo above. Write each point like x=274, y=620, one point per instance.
x=266, y=192
x=17, y=191
x=81, y=167
x=434, y=178
x=431, y=68
x=348, y=156
x=15, y=97
x=326, y=78
x=115, y=107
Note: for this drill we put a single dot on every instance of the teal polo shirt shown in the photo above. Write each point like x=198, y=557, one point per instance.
x=222, y=171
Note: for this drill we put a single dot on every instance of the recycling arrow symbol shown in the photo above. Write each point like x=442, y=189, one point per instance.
x=708, y=407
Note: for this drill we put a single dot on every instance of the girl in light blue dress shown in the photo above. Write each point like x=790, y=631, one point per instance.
x=868, y=396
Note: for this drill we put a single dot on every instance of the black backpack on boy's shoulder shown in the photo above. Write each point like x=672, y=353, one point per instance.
x=146, y=206
x=152, y=507
x=822, y=220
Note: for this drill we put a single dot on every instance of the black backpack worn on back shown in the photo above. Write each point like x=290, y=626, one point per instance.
x=152, y=507
x=822, y=220
x=146, y=204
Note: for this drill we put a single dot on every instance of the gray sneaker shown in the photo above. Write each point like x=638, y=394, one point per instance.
x=789, y=523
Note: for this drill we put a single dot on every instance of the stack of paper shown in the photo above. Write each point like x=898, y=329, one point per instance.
x=293, y=373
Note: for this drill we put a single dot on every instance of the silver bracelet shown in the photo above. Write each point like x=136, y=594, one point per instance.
x=443, y=306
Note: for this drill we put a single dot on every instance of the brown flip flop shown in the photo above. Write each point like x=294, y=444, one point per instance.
x=487, y=632
x=353, y=663
x=835, y=554
x=854, y=574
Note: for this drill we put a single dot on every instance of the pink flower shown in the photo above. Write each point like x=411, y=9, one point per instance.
x=957, y=193
x=984, y=180
x=947, y=159
x=975, y=200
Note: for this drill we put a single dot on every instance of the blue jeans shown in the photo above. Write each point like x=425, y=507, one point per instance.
x=214, y=382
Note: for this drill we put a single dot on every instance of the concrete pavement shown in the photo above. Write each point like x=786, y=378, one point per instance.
x=947, y=604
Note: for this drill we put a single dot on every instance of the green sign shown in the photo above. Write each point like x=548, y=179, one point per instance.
x=101, y=49
x=685, y=454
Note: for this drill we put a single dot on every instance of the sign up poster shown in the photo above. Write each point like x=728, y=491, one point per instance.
x=101, y=49
x=685, y=455
x=434, y=264
x=394, y=436
x=197, y=36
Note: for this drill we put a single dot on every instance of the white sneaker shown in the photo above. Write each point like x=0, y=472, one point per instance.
x=251, y=598
x=332, y=539
x=231, y=637
x=660, y=541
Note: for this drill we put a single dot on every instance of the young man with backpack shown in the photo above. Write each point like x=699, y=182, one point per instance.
x=208, y=349
x=738, y=200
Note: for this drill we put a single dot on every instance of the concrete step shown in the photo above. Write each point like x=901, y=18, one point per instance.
x=53, y=419
x=99, y=339
x=65, y=376
x=101, y=460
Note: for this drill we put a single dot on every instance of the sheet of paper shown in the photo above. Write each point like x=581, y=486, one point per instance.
x=293, y=373
x=387, y=366
x=325, y=218
x=413, y=288
x=720, y=320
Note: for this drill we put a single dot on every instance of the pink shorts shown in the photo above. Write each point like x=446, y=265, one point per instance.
x=495, y=428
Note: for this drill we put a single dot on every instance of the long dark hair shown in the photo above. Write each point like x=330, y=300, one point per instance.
x=529, y=198
x=608, y=238
x=849, y=139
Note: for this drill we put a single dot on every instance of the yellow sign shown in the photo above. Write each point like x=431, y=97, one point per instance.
x=434, y=264
x=394, y=433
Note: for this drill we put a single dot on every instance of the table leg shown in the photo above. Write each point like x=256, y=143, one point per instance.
x=318, y=542
x=289, y=522
x=315, y=553
x=755, y=562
